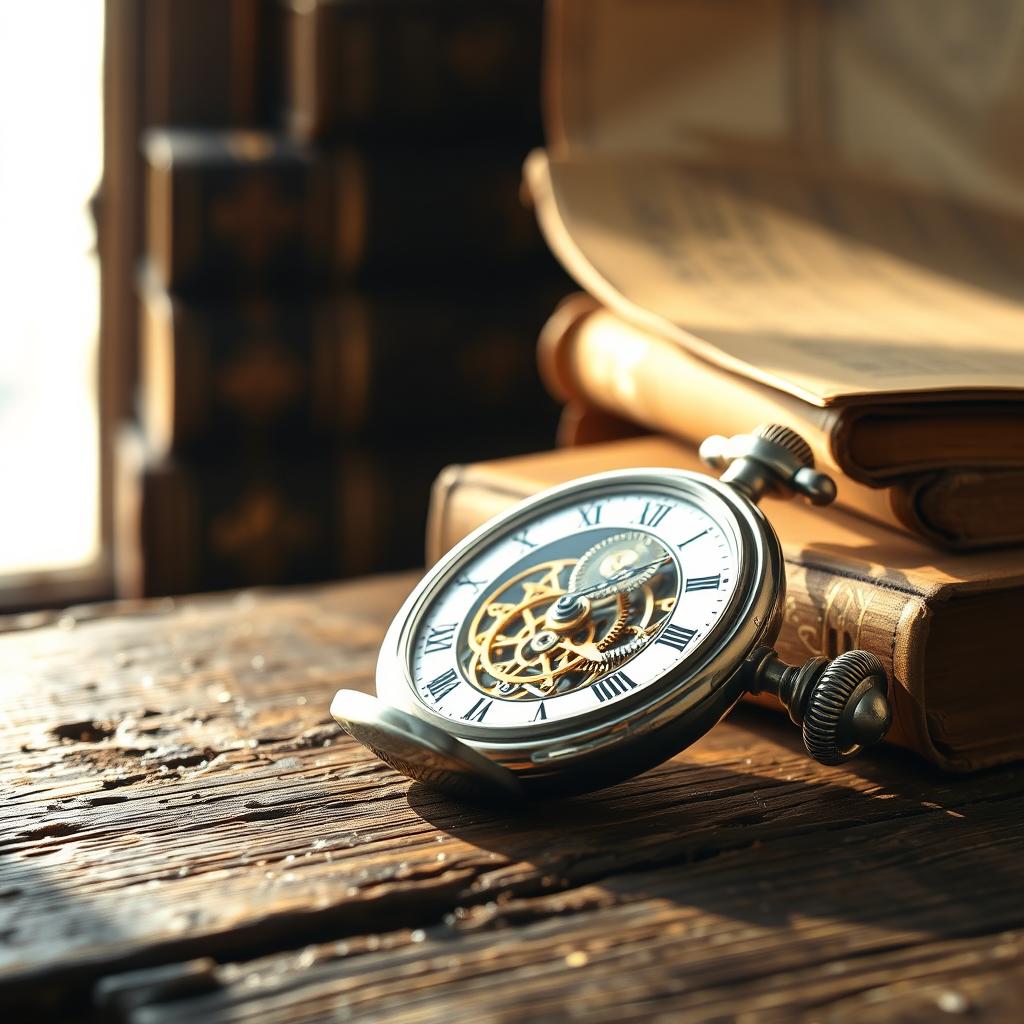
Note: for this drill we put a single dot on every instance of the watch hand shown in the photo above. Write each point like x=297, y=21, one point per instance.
x=622, y=576
x=636, y=570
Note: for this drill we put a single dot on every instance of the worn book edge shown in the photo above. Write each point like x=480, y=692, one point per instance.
x=588, y=356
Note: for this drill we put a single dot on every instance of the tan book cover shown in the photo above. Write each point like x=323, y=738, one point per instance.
x=824, y=198
x=942, y=624
x=899, y=464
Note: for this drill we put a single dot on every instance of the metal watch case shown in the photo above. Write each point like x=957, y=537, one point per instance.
x=842, y=705
x=644, y=728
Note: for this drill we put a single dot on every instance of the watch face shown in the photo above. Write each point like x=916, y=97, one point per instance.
x=584, y=604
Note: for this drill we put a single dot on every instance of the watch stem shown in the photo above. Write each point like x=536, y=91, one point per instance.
x=842, y=705
x=772, y=460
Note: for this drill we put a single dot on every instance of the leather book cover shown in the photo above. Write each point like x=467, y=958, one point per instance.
x=231, y=211
x=459, y=68
x=942, y=624
x=341, y=365
x=902, y=465
x=214, y=520
x=210, y=65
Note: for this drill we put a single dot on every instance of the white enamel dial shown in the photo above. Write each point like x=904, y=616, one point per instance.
x=573, y=611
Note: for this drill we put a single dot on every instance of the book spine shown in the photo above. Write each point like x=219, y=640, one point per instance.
x=210, y=64
x=590, y=356
x=230, y=212
x=280, y=373
x=427, y=69
x=825, y=613
x=964, y=508
x=244, y=519
x=247, y=516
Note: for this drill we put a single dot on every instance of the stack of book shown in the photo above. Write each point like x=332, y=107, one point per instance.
x=335, y=302
x=861, y=285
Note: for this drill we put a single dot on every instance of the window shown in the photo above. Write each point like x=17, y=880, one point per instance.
x=51, y=70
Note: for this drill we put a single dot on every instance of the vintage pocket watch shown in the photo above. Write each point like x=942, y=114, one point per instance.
x=600, y=627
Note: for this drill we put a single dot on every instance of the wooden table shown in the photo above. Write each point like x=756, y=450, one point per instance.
x=187, y=836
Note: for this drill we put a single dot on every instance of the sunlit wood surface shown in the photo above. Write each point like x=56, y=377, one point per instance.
x=176, y=796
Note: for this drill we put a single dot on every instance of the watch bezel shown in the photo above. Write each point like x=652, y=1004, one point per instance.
x=710, y=679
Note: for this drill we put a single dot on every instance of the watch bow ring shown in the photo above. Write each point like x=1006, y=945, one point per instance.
x=598, y=628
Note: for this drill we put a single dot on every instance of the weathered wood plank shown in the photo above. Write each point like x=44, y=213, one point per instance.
x=174, y=787
x=883, y=918
x=555, y=973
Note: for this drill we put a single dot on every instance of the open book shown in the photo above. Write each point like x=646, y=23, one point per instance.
x=827, y=199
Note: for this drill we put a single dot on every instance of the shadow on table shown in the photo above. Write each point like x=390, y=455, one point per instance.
x=891, y=841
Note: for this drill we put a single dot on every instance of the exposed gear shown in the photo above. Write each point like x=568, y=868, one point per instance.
x=512, y=646
x=639, y=639
x=616, y=628
x=535, y=636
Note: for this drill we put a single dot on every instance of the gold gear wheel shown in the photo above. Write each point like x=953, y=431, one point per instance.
x=616, y=628
x=514, y=654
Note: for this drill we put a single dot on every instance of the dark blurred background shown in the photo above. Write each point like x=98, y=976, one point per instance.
x=319, y=284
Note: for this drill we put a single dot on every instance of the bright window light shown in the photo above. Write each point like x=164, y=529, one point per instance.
x=50, y=164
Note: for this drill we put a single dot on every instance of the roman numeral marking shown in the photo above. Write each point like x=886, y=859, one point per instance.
x=541, y=715
x=676, y=636
x=653, y=513
x=440, y=687
x=478, y=710
x=703, y=582
x=523, y=539
x=439, y=638
x=612, y=686
x=465, y=581
x=591, y=514
x=696, y=536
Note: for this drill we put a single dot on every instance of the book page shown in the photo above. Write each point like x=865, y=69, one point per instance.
x=826, y=197
x=664, y=76
x=916, y=92
x=822, y=289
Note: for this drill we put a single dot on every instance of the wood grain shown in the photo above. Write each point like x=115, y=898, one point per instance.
x=174, y=788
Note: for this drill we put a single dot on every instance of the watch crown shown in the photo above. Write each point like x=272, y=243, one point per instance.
x=842, y=705
x=847, y=708
x=773, y=459
x=790, y=440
